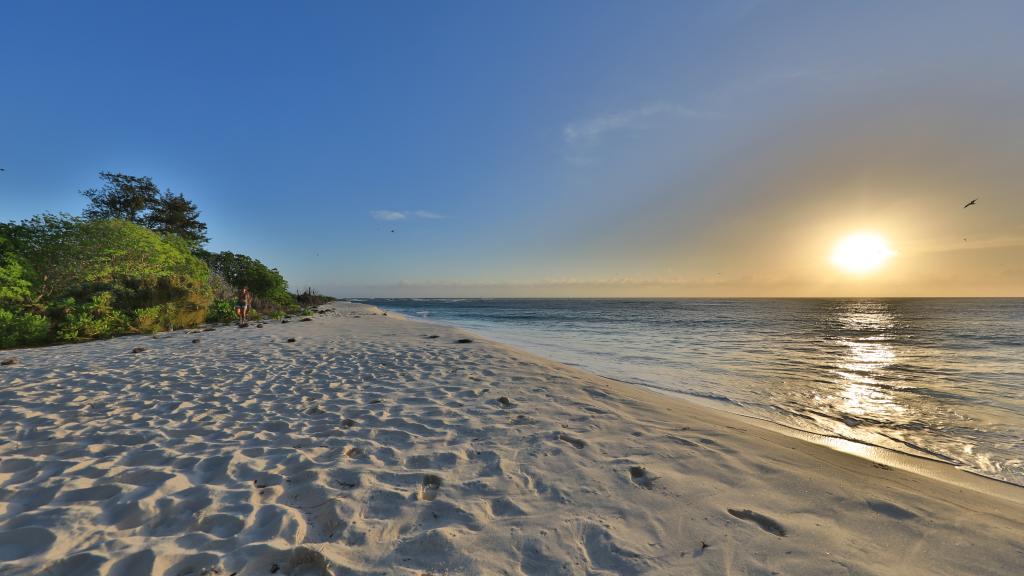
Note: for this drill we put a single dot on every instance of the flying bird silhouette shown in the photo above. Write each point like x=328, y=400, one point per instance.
x=971, y=203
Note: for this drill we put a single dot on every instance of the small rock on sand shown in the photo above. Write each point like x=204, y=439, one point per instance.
x=8, y=362
x=138, y=349
x=505, y=402
x=195, y=340
x=463, y=341
x=306, y=319
x=291, y=339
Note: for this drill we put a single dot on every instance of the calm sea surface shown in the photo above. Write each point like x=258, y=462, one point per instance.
x=938, y=377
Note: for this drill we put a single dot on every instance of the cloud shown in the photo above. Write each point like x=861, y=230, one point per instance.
x=387, y=215
x=593, y=128
x=393, y=215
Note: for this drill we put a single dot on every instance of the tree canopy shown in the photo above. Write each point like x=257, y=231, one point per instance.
x=122, y=197
x=138, y=199
x=174, y=214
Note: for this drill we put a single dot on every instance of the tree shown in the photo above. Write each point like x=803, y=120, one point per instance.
x=241, y=271
x=174, y=214
x=123, y=197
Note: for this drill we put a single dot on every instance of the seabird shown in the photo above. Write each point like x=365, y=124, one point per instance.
x=971, y=203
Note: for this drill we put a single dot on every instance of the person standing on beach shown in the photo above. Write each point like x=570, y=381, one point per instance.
x=243, y=305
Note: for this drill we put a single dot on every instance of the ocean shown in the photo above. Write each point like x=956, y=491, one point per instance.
x=939, y=378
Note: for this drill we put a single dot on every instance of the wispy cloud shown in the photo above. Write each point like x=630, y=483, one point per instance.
x=393, y=215
x=387, y=215
x=591, y=129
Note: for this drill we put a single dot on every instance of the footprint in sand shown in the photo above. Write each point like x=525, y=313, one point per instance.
x=891, y=510
x=640, y=477
x=763, y=522
x=572, y=440
x=430, y=486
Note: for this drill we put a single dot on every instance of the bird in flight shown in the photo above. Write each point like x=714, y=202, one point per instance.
x=971, y=203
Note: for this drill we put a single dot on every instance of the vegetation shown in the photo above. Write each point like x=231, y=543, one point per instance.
x=310, y=298
x=97, y=278
x=131, y=263
x=135, y=199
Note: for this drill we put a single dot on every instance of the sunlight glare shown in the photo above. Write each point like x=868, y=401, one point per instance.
x=862, y=252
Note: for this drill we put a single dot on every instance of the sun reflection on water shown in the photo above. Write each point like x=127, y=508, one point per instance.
x=865, y=353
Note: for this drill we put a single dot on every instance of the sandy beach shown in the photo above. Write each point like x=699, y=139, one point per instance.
x=373, y=444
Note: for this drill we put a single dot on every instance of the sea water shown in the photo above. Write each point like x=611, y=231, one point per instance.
x=942, y=378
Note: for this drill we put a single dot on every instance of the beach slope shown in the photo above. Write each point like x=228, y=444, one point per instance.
x=364, y=443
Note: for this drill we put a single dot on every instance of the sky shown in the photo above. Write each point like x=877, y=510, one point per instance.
x=542, y=148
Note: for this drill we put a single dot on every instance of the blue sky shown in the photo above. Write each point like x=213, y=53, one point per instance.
x=540, y=148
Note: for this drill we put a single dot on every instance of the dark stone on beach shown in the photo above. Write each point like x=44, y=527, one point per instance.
x=291, y=339
x=195, y=340
x=9, y=362
x=284, y=321
x=306, y=319
x=348, y=423
x=505, y=402
x=260, y=325
x=433, y=336
x=138, y=349
x=463, y=341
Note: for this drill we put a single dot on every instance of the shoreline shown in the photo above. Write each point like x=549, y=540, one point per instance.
x=367, y=447
x=920, y=461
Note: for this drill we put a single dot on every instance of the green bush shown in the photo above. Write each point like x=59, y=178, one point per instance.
x=221, y=311
x=101, y=278
x=96, y=318
x=22, y=328
x=18, y=323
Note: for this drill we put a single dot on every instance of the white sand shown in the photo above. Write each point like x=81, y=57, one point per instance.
x=244, y=453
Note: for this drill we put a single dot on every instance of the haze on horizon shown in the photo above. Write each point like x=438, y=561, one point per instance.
x=543, y=149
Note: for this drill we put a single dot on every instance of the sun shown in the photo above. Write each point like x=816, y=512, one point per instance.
x=861, y=253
